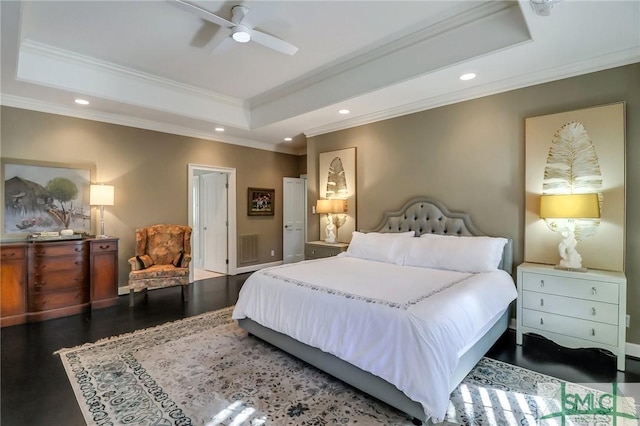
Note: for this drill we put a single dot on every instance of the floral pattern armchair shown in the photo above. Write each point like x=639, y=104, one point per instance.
x=163, y=253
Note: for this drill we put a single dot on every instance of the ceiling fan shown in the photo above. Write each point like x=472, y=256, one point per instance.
x=241, y=31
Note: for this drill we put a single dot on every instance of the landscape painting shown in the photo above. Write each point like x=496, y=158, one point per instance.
x=45, y=197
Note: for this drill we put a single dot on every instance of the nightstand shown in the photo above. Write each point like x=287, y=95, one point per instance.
x=320, y=249
x=574, y=309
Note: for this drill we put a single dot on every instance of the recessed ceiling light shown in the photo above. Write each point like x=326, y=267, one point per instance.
x=82, y=102
x=343, y=111
x=288, y=139
x=467, y=76
x=219, y=129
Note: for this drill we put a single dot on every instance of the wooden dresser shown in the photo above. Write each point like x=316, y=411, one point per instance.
x=41, y=280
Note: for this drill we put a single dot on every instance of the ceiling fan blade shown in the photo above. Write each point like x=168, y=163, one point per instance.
x=221, y=42
x=204, y=14
x=273, y=42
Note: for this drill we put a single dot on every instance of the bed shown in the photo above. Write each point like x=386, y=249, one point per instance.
x=403, y=315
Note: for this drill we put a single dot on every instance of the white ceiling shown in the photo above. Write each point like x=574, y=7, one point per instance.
x=153, y=65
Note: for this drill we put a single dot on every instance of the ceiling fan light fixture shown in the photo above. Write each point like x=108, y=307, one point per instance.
x=240, y=34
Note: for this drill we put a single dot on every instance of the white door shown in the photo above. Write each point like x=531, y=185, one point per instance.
x=293, y=216
x=214, y=222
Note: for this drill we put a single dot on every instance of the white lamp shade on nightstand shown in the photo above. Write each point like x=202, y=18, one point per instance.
x=570, y=206
x=330, y=206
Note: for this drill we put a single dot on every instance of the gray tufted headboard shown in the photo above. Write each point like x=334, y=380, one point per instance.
x=426, y=215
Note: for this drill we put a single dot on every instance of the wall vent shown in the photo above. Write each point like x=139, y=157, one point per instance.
x=248, y=249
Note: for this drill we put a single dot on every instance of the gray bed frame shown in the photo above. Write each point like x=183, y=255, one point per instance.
x=421, y=215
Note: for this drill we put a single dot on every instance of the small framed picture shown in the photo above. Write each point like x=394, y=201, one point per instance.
x=261, y=202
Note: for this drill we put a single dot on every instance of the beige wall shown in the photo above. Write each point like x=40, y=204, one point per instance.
x=149, y=171
x=470, y=155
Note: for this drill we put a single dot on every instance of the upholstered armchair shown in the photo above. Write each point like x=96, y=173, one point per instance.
x=163, y=253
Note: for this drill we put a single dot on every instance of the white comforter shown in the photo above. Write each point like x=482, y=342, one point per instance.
x=407, y=325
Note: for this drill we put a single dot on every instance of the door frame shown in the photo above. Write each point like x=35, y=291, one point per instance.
x=231, y=209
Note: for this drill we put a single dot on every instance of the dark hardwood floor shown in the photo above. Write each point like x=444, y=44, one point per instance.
x=35, y=389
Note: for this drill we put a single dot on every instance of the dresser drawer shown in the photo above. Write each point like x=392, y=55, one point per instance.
x=103, y=246
x=571, y=287
x=582, y=329
x=58, y=280
x=61, y=299
x=577, y=308
x=49, y=250
x=11, y=253
x=61, y=263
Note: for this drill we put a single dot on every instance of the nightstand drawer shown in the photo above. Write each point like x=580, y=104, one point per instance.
x=318, y=252
x=576, y=308
x=571, y=287
x=581, y=329
x=320, y=249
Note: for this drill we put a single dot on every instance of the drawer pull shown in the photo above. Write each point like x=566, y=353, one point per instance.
x=593, y=331
x=541, y=283
x=594, y=291
x=541, y=321
x=104, y=247
x=541, y=302
x=593, y=311
x=8, y=254
x=78, y=249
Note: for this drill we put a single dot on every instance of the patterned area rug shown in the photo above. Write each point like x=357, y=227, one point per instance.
x=205, y=370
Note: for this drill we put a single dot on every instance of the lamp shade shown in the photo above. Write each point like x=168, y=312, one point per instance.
x=101, y=195
x=570, y=206
x=331, y=206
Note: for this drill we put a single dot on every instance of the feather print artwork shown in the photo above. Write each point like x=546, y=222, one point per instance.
x=336, y=180
x=573, y=168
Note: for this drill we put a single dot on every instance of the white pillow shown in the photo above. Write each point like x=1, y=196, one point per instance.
x=454, y=253
x=383, y=247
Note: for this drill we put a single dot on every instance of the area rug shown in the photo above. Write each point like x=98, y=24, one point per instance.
x=205, y=370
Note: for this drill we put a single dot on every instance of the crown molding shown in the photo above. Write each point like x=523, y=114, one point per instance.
x=51, y=108
x=73, y=58
x=368, y=55
x=600, y=63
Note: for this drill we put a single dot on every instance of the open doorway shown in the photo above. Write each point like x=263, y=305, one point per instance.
x=212, y=217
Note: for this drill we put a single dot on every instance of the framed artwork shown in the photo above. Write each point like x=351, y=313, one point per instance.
x=337, y=179
x=44, y=196
x=576, y=152
x=261, y=202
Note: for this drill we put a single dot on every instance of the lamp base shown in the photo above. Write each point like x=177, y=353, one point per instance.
x=565, y=268
x=102, y=236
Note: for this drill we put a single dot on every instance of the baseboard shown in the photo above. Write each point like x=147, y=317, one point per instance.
x=632, y=349
x=253, y=268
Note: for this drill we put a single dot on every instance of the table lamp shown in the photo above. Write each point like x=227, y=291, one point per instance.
x=331, y=207
x=101, y=195
x=569, y=207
